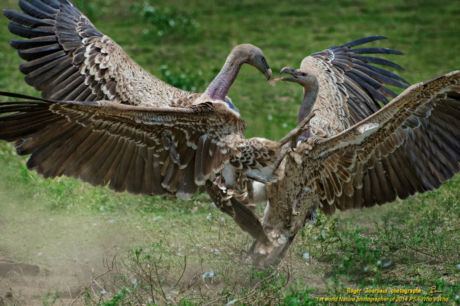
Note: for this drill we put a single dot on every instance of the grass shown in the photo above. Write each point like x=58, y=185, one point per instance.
x=166, y=246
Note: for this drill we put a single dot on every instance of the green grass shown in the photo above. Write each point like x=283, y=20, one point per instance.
x=404, y=244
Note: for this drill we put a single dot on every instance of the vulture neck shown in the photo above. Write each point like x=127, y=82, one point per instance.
x=219, y=87
x=310, y=94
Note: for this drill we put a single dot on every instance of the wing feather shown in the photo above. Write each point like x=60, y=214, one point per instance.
x=362, y=85
x=413, y=147
x=67, y=58
x=129, y=148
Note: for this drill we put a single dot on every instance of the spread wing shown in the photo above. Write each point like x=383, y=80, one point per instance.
x=411, y=145
x=67, y=58
x=358, y=81
x=129, y=148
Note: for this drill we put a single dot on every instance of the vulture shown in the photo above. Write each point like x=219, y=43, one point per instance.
x=118, y=125
x=104, y=120
x=352, y=148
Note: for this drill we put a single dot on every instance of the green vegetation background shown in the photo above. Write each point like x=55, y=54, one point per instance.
x=186, y=42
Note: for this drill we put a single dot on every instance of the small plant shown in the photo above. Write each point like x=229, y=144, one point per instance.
x=145, y=277
x=324, y=231
x=299, y=298
x=49, y=299
x=360, y=254
x=119, y=297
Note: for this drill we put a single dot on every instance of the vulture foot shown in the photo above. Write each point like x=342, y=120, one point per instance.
x=265, y=255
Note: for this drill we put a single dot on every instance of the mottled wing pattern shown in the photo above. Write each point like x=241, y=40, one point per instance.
x=128, y=148
x=411, y=145
x=359, y=82
x=67, y=58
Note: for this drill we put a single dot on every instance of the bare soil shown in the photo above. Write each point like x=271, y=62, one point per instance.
x=46, y=259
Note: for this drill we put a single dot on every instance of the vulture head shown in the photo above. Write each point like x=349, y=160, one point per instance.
x=252, y=55
x=298, y=76
x=239, y=56
x=310, y=84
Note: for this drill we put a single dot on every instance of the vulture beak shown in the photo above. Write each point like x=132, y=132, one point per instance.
x=292, y=74
x=268, y=74
x=261, y=64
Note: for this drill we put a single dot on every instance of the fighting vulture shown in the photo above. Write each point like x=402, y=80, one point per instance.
x=126, y=129
x=108, y=122
x=350, y=152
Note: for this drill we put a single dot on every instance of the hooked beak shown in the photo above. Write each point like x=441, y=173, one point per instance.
x=288, y=70
x=268, y=74
x=261, y=64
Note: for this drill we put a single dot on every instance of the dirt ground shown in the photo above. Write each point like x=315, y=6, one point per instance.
x=43, y=256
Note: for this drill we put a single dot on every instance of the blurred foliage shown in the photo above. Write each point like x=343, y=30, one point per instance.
x=187, y=80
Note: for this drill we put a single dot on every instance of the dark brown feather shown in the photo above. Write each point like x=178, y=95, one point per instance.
x=415, y=147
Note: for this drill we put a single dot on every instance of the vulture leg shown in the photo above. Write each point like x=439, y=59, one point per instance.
x=282, y=218
x=242, y=214
x=281, y=236
x=264, y=255
x=248, y=221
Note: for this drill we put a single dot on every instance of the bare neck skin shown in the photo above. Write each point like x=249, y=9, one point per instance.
x=219, y=87
x=310, y=94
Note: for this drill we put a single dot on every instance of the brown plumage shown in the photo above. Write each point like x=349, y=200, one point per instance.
x=108, y=143
x=126, y=129
x=68, y=58
x=343, y=86
x=411, y=145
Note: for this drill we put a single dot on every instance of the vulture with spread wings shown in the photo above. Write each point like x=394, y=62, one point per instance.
x=105, y=120
x=350, y=152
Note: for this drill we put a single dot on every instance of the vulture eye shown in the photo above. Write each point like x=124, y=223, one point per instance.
x=264, y=61
x=303, y=74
